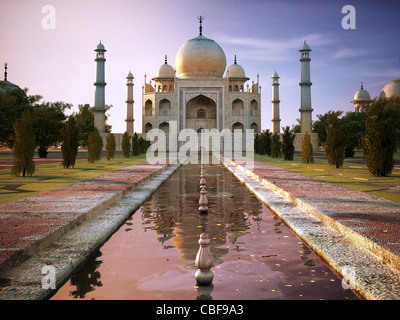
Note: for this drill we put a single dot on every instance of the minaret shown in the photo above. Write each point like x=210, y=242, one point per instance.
x=305, y=84
x=99, y=95
x=276, y=121
x=129, y=104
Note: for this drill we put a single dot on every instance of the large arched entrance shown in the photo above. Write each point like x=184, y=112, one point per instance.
x=201, y=113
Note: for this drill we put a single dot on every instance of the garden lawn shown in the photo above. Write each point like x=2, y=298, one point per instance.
x=351, y=175
x=50, y=176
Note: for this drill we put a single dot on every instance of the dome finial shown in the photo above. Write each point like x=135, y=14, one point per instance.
x=362, y=87
x=165, y=59
x=235, y=60
x=201, y=18
x=5, y=71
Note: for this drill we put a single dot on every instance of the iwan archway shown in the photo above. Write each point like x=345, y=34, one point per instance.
x=201, y=113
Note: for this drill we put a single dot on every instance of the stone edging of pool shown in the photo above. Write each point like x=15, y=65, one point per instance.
x=72, y=249
x=362, y=269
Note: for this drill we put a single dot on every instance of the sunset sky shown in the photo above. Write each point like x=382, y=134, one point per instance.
x=59, y=65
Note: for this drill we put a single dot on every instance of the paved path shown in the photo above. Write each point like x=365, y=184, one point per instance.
x=30, y=224
x=372, y=221
x=345, y=226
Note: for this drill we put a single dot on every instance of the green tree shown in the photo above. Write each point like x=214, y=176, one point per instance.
x=85, y=123
x=70, y=142
x=13, y=102
x=110, y=146
x=126, y=145
x=265, y=142
x=381, y=135
x=24, y=146
x=321, y=125
x=256, y=143
x=353, y=128
x=95, y=146
x=287, y=145
x=334, y=144
x=276, y=146
x=48, y=120
x=108, y=127
x=296, y=128
x=135, y=145
x=306, y=149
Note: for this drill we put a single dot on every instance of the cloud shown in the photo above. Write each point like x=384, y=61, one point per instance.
x=275, y=49
x=349, y=53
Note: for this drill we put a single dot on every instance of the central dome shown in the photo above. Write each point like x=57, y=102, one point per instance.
x=392, y=89
x=200, y=57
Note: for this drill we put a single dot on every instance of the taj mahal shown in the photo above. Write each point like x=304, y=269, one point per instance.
x=202, y=94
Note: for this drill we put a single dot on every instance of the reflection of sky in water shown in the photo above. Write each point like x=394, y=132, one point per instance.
x=256, y=256
x=173, y=212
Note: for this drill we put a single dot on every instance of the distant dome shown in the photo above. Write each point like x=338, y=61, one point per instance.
x=7, y=87
x=130, y=75
x=392, y=89
x=200, y=57
x=165, y=71
x=275, y=75
x=235, y=71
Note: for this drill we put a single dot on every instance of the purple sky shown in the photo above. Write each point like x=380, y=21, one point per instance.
x=58, y=64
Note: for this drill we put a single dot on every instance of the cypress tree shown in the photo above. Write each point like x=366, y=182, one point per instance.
x=334, y=144
x=126, y=145
x=256, y=143
x=70, y=143
x=380, y=139
x=265, y=142
x=306, y=149
x=135, y=145
x=95, y=146
x=276, y=146
x=287, y=145
x=24, y=146
x=110, y=146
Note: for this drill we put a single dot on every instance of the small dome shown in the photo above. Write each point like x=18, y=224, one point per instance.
x=235, y=71
x=362, y=95
x=100, y=46
x=392, y=89
x=130, y=75
x=305, y=46
x=200, y=57
x=275, y=75
x=165, y=71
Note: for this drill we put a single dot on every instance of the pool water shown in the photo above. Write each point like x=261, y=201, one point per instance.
x=256, y=256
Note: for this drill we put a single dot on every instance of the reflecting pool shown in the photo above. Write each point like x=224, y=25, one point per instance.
x=256, y=256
